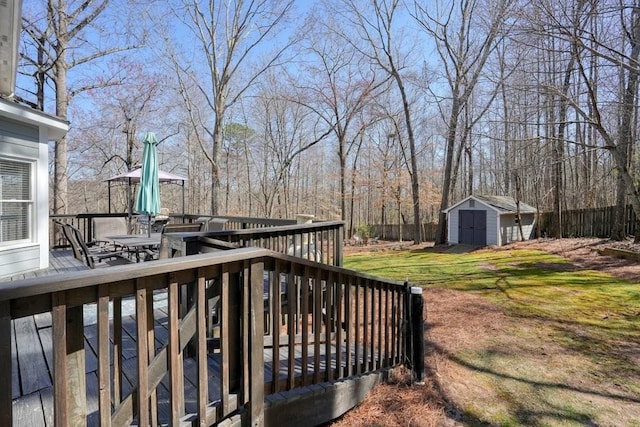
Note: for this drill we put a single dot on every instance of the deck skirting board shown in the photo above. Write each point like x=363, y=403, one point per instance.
x=319, y=403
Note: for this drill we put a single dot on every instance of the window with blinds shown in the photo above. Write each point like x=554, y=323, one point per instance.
x=16, y=204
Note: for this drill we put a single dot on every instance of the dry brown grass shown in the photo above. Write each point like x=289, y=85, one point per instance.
x=398, y=403
x=455, y=320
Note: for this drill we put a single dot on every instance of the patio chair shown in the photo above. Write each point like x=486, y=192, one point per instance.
x=159, y=221
x=90, y=256
x=68, y=234
x=163, y=250
x=103, y=227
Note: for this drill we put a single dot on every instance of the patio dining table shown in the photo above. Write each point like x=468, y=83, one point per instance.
x=137, y=243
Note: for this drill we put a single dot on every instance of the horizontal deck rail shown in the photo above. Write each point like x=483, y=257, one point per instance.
x=237, y=326
x=321, y=241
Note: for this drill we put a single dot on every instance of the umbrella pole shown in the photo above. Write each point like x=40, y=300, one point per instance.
x=149, y=226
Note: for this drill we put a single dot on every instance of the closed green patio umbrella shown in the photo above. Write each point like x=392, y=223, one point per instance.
x=148, y=198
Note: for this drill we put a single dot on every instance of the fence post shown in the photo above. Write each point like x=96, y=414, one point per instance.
x=417, y=333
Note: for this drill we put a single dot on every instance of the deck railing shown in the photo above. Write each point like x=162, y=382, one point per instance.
x=206, y=336
x=321, y=241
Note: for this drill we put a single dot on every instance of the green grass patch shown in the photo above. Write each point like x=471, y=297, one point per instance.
x=526, y=282
x=590, y=320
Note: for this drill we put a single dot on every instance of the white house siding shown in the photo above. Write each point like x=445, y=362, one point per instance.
x=20, y=142
x=24, y=136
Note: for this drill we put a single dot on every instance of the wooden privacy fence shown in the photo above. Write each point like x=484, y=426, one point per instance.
x=596, y=222
x=200, y=339
x=403, y=231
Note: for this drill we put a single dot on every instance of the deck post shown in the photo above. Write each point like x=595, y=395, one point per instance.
x=338, y=245
x=417, y=333
x=6, y=414
x=255, y=412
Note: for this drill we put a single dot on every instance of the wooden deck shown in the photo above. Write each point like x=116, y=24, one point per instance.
x=291, y=373
x=60, y=261
x=32, y=367
x=32, y=358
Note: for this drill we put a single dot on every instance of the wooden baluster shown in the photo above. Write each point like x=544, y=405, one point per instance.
x=176, y=377
x=70, y=408
x=143, y=354
x=328, y=326
x=118, y=372
x=292, y=284
x=201, y=329
x=357, y=334
x=306, y=281
x=317, y=324
x=104, y=379
x=224, y=340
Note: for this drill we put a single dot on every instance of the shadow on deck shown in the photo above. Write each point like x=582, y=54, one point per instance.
x=193, y=339
x=32, y=390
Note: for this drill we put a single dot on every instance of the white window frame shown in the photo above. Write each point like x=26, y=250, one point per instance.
x=30, y=204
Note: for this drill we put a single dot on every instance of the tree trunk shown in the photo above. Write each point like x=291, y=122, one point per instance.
x=218, y=137
x=60, y=182
x=441, y=234
x=413, y=171
x=626, y=129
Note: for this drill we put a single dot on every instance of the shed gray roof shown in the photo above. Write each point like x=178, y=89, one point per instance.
x=506, y=204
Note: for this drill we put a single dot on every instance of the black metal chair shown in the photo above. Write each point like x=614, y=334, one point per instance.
x=90, y=256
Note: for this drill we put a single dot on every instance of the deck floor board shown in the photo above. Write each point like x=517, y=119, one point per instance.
x=32, y=363
x=31, y=356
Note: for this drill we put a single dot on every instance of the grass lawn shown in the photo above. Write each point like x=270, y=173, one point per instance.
x=537, y=341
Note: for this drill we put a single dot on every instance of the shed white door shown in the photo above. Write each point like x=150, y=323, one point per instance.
x=472, y=227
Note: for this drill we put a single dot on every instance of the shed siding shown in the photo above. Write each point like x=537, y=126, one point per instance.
x=509, y=231
x=492, y=222
x=501, y=224
x=492, y=226
x=452, y=225
x=528, y=225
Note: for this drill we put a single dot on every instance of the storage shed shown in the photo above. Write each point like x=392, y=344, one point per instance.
x=489, y=220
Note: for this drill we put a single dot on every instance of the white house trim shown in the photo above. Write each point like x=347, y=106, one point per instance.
x=24, y=136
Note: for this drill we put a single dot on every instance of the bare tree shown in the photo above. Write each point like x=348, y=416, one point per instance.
x=626, y=59
x=338, y=89
x=374, y=22
x=61, y=45
x=464, y=48
x=233, y=38
x=287, y=129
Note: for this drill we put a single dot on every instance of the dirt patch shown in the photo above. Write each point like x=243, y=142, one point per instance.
x=463, y=323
